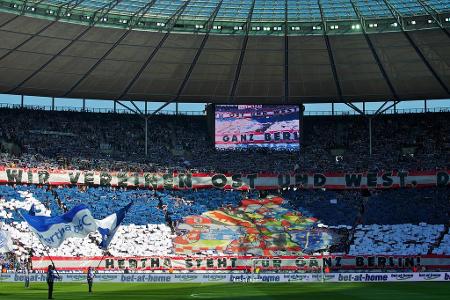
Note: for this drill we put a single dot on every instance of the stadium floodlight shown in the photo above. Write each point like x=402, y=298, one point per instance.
x=334, y=27
x=237, y=27
x=266, y=28
x=373, y=25
x=356, y=26
x=317, y=27
x=197, y=26
x=217, y=27
x=413, y=22
x=395, y=24
x=447, y=19
x=295, y=28
x=160, y=24
x=68, y=14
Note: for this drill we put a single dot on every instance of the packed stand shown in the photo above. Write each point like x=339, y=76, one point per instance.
x=33, y=138
x=443, y=247
x=399, y=239
x=151, y=224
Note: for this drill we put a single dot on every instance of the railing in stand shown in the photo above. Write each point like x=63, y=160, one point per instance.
x=202, y=113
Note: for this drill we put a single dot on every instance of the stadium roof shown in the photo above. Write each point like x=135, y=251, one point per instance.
x=240, y=51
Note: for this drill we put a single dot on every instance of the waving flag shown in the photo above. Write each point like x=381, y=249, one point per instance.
x=109, y=225
x=52, y=231
x=32, y=211
x=6, y=244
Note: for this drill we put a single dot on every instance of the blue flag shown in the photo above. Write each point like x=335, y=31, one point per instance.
x=52, y=231
x=32, y=211
x=108, y=226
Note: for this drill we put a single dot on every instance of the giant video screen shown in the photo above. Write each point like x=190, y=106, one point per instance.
x=239, y=127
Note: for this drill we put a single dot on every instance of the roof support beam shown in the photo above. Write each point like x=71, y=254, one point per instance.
x=137, y=108
x=9, y=21
x=241, y=56
x=352, y=106
x=397, y=15
x=22, y=12
x=387, y=108
x=374, y=53
x=58, y=16
x=103, y=11
x=142, y=11
x=160, y=108
x=435, y=15
x=170, y=24
x=330, y=52
x=381, y=107
x=127, y=107
x=209, y=26
x=427, y=63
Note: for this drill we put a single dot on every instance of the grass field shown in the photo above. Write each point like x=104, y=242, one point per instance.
x=284, y=291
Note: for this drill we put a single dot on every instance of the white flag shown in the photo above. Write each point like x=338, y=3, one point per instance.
x=52, y=231
x=6, y=244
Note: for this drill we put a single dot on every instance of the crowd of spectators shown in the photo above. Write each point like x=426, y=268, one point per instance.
x=400, y=221
x=34, y=138
x=151, y=224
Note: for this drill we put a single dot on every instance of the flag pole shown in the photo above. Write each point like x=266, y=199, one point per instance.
x=45, y=249
x=104, y=244
x=104, y=254
x=48, y=254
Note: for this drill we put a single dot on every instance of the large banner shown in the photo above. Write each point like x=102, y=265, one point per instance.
x=261, y=181
x=223, y=278
x=229, y=263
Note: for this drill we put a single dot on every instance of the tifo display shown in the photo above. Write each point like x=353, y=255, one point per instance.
x=260, y=211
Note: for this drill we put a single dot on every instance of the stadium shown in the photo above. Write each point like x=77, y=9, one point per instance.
x=254, y=195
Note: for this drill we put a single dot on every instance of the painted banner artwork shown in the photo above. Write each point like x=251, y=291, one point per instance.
x=257, y=227
x=258, y=181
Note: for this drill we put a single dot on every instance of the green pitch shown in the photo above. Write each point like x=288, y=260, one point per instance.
x=251, y=291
